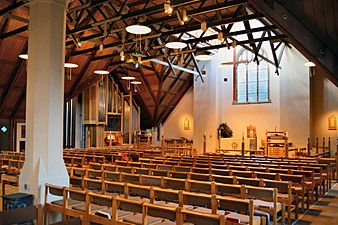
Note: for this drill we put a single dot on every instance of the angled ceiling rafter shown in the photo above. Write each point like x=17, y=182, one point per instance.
x=304, y=38
x=12, y=79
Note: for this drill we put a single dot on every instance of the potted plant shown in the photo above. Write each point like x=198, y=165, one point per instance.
x=224, y=131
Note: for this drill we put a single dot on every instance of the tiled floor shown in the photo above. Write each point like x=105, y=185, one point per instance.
x=323, y=212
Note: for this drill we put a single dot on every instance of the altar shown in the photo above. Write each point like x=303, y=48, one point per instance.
x=233, y=146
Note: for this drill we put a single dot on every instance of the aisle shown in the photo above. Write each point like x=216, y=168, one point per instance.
x=323, y=212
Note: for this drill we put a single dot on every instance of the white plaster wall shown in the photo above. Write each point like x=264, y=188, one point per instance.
x=201, y=115
x=295, y=97
x=212, y=102
x=174, y=126
x=263, y=116
x=324, y=103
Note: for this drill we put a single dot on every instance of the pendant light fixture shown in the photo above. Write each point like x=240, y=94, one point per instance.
x=176, y=45
x=102, y=73
x=128, y=78
x=70, y=66
x=203, y=57
x=135, y=83
x=138, y=29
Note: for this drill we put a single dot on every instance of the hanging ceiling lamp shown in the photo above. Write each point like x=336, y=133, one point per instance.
x=127, y=78
x=138, y=29
x=176, y=45
x=101, y=72
x=70, y=66
x=203, y=57
x=135, y=83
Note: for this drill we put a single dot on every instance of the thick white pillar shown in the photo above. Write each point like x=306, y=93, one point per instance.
x=44, y=104
x=207, y=114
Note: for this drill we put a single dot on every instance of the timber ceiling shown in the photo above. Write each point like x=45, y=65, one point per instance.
x=98, y=25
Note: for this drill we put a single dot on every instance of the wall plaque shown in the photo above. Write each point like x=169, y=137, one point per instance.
x=332, y=123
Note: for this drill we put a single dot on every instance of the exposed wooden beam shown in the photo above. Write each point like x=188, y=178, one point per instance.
x=130, y=15
x=18, y=103
x=18, y=18
x=274, y=55
x=13, y=7
x=194, y=26
x=12, y=79
x=308, y=42
x=14, y=32
x=173, y=66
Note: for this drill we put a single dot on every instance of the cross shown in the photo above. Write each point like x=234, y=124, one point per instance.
x=234, y=61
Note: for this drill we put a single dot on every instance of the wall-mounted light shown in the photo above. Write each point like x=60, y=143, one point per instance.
x=186, y=124
x=309, y=64
x=312, y=68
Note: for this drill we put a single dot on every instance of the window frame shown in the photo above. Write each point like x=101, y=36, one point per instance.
x=235, y=84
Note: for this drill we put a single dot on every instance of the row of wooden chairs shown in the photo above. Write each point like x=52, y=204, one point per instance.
x=11, y=166
x=209, y=187
x=304, y=176
x=299, y=182
x=211, y=155
x=90, y=204
x=324, y=163
x=312, y=173
x=250, y=162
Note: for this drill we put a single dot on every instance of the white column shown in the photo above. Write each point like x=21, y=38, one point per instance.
x=207, y=105
x=44, y=104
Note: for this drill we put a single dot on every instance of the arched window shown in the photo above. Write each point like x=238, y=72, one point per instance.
x=251, y=80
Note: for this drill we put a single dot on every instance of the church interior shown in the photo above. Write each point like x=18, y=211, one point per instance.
x=168, y=112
